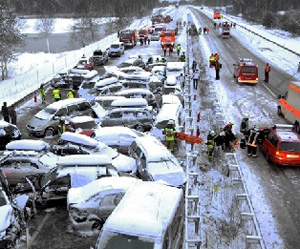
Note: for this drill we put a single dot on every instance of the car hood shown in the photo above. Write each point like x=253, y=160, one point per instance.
x=37, y=121
x=176, y=179
x=6, y=214
x=124, y=163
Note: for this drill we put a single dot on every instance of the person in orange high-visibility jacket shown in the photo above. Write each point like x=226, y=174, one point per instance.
x=267, y=72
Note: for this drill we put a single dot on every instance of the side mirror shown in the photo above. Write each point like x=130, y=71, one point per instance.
x=56, y=118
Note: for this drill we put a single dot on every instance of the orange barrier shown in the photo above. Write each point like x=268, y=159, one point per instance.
x=189, y=138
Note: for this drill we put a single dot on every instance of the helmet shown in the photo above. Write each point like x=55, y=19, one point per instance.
x=231, y=122
x=212, y=132
x=171, y=122
x=246, y=116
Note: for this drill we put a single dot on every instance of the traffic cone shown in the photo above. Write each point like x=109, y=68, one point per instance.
x=197, y=131
x=35, y=99
x=198, y=117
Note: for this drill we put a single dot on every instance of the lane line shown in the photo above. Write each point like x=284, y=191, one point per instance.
x=269, y=90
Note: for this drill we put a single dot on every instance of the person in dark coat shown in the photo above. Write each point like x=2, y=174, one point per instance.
x=13, y=115
x=217, y=67
x=4, y=111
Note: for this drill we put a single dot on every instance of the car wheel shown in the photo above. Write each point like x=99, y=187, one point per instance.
x=49, y=132
x=140, y=128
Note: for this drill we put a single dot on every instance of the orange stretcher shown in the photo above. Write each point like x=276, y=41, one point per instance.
x=189, y=138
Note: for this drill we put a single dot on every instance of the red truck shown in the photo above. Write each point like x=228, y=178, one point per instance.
x=143, y=33
x=167, y=38
x=128, y=37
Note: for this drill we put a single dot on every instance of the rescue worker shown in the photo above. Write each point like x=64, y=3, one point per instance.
x=182, y=57
x=5, y=112
x=207, y=30
x=165, y=49
x=43, y=93
x=244, y=126
x=170, y=133
x=70, y=94
x=229, y=136
x=184, y=23
x=163, y=60
x=196, y=76
x=252, y=141
x=145, y=40
x=181, y=80
x=178, y=49
x=61, y=127
x=13, y=115
x=170, y=50
x=211, y=60
x=56, y=93
x=217, y=68
x=194, y=65
x=210, y=144
x=215, y=25
x=141, y=41
x=267, y=72
x=216, y=55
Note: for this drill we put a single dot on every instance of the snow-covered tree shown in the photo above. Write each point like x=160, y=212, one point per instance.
x=10, y=35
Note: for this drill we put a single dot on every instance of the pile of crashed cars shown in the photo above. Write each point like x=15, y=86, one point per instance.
x=114, y=136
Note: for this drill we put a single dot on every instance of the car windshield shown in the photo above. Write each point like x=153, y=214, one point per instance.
x=125, y=64
x=249, y=69
x=49, y=110
x=162, y=124
x=7, y=130
x=87, y=85
x=289, y=146
x=111, y=240
x=114, y=46
x=126, y=35
x=87, y=125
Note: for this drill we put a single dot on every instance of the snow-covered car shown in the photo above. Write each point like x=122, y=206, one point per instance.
x=105, y=101
x=8, y=132
x=118, y=137
x=60, y=80
x=131, y=103
x=133, y=62
x=160, y=72
x=133, y=70
x=45, y=122
x=72, y=172
x=26, y=158
x=85, y=125
x=136, y=118
x=154, y=59
x=117, y=49
x=89, y=206
x=102, y=91
x=167, y=112
x=155, y=162
x=86, y=86
x=100, y=57
x=150, y=66
x=175, y=68
x=172, y=85
x=139, y=93
x=74, y=144
x=85, y=63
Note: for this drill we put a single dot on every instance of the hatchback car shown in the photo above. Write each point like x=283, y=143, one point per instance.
x=89, y=206
x=85, y=125
x=8, y=132
x=138, y=62
x=281, y=145
x=74, y=144
x=85, y=63
x=26, y=158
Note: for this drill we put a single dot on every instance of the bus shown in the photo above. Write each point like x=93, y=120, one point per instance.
x=149, y=216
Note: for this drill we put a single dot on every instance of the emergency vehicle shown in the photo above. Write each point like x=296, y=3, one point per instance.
x=128, y=37
x=167, y=38
x=245, y=71
x=224, y=30
x=217, y=14
x=143, y=33
x=289, y=104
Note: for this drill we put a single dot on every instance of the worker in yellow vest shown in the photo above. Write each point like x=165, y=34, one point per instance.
x=56, y=94
x=71, y=94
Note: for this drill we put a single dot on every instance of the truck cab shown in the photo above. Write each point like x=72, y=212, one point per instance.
x=289, y=104
x=245, y=71
x=217, y=14
x=167, y=38
x=128, y=37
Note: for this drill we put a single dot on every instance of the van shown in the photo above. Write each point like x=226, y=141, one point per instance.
x=116, y=49
x=151, y=215
x=155, y=162
x=167, y=112
x=45, y=122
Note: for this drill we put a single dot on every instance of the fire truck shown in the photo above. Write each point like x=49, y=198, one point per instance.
x=245, y=71
x=128, y=37
x=217, y=14
x=167, y=37
x=157, y=19
x=224, y=30
x=289, y=104
x=143, y=33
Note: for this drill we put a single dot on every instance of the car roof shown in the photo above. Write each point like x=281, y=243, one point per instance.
x=66, y=102
x=27, y=144
x=129, y=101
x=127, y=109
x=80, y=139
x=109, y=97
x=288, y=135
x=81, y=119
x=77, y=160
x=175, y=65
x=134, y=91
x=168, y=111
x=107, y=81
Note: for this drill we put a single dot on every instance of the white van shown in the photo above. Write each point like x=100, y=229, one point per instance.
x=175, y=68
x=167, y=112
x=149, y=216
x=116, y=49
x=155, y=162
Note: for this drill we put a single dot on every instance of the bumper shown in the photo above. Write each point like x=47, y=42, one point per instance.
x=247, y=81
x=34, y=132
x=285, y=161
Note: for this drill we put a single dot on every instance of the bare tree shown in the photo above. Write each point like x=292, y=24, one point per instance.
x=45, y=27
x=10, y=35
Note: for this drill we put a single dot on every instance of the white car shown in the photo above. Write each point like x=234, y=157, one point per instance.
x=89, y=206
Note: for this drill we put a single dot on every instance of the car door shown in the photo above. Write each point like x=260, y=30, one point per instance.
x=128, y=118
x=108, y=204
x=113, y=119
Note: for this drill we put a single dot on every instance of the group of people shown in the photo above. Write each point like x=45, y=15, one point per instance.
x=9, y=113
x=145, y=40
x=167, y=47
x=56, y=94
x=214, y=62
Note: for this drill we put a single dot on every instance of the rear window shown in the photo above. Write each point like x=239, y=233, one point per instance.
x=87, y=125
x=289, y=146
x=87, y=85
x=249, y=69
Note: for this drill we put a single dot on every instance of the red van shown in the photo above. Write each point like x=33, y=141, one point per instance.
x=245, y=71
x=281, y=145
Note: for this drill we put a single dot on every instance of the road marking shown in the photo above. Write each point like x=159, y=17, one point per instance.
x=36, y=232
x=227, y=45
x=269, y=90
